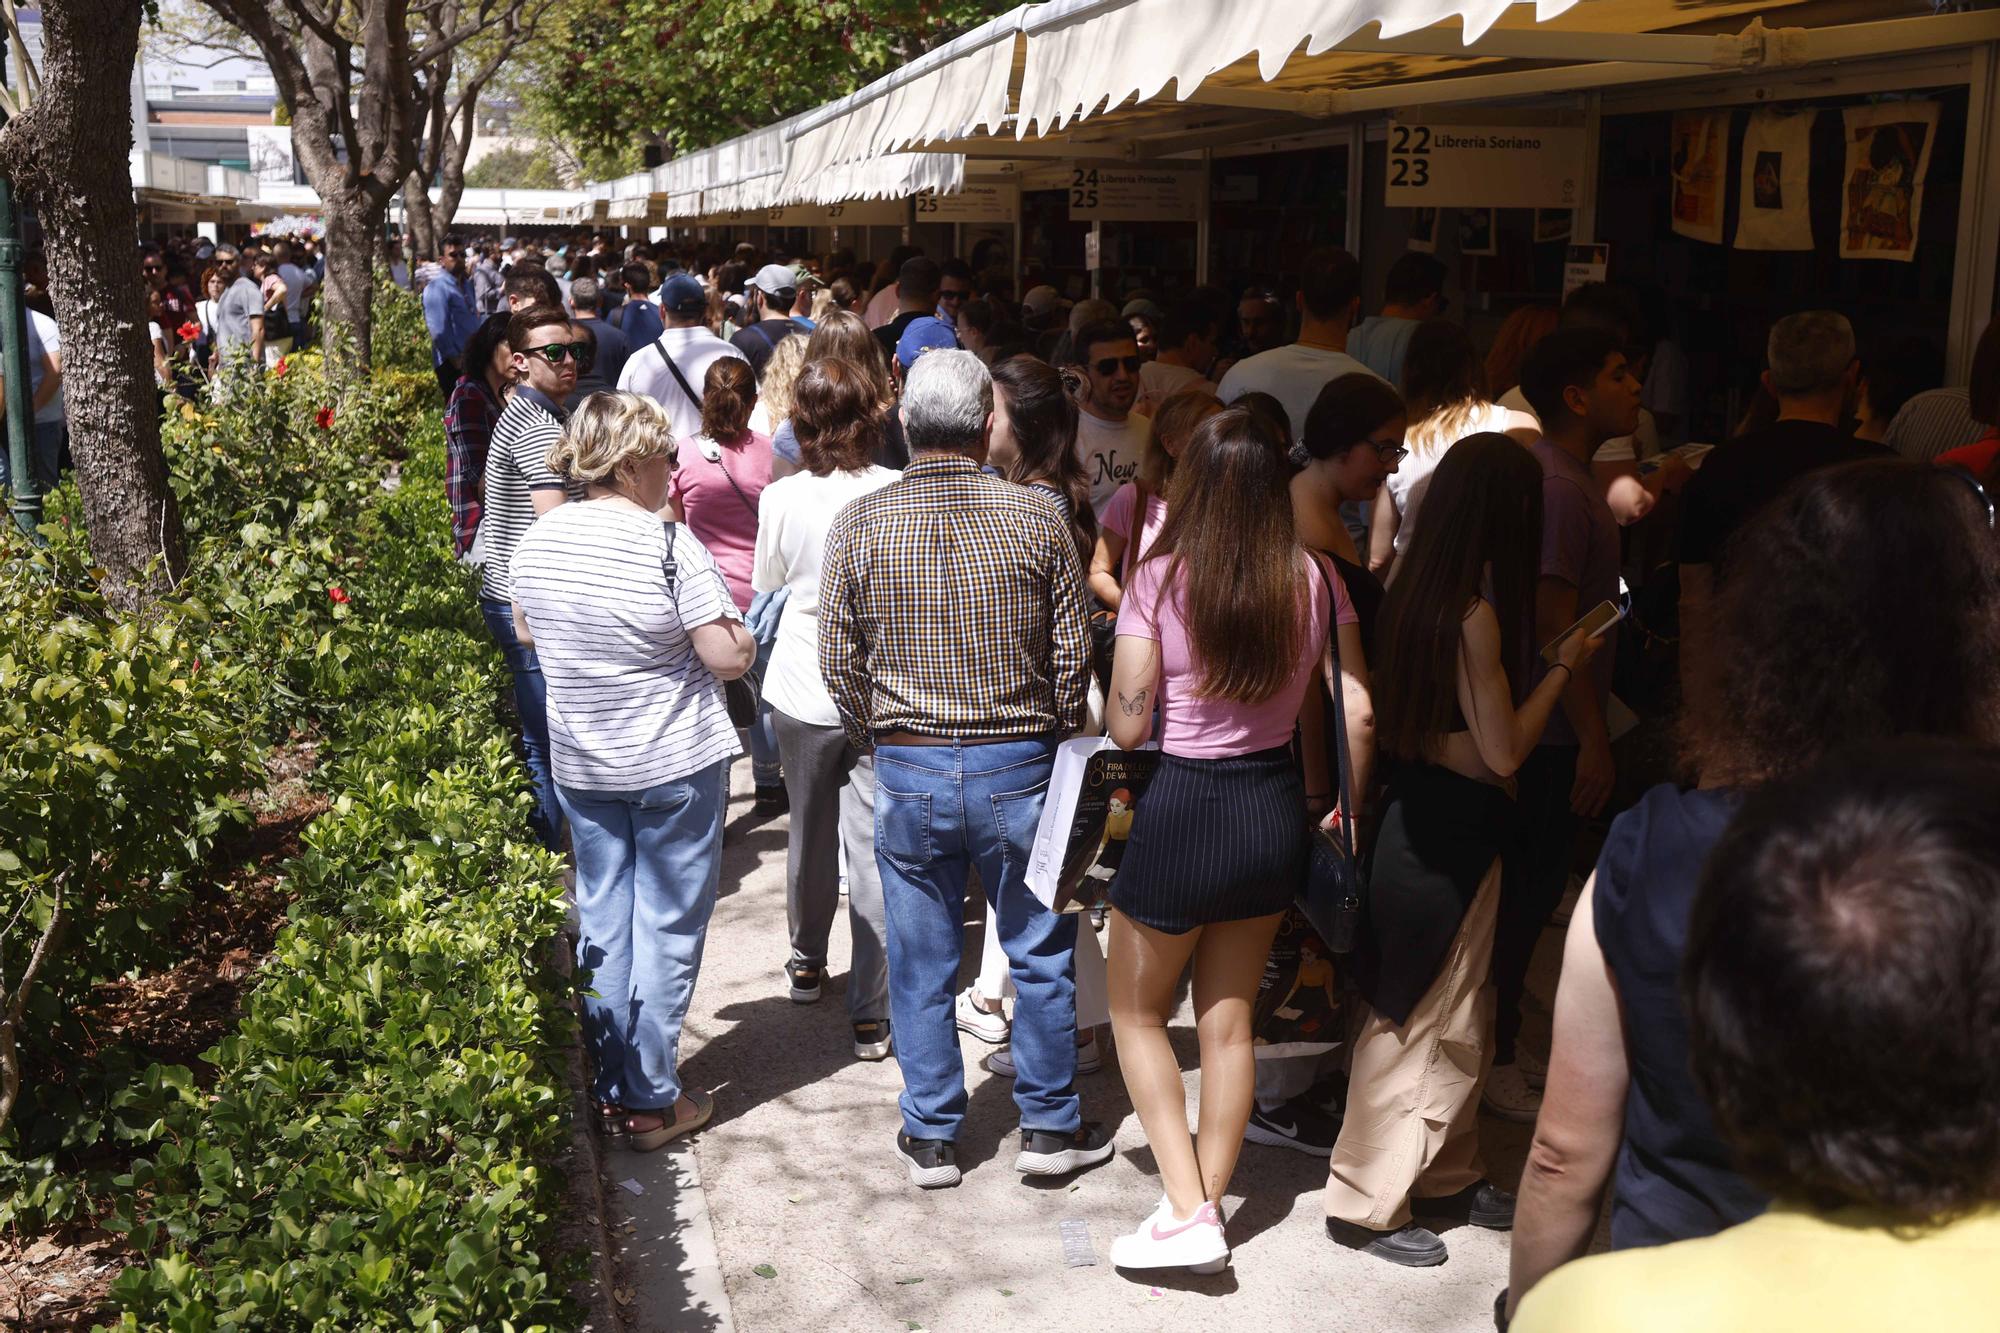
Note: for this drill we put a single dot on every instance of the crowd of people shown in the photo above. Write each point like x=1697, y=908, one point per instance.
x=898, y=535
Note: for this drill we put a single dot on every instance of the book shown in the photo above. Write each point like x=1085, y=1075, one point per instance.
x=1087, y=816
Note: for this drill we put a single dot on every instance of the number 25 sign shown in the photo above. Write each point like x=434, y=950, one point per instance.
x=1483, y=166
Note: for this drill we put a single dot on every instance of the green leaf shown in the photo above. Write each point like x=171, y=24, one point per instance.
x=765, y=1270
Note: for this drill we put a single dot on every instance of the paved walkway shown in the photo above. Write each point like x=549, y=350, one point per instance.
x=810, y=1223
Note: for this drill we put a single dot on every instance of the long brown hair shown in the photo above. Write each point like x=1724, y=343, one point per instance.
x=1483, y=514
x=1043, y=416
x=845, y=336
x=1232, y=553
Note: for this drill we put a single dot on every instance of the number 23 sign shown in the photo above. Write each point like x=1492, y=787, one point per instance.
x=1483, y=166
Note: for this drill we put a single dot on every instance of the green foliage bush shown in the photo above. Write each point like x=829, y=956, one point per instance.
x=373, y=1148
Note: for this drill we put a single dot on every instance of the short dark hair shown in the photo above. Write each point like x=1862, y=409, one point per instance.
x=956, y=268
x=523, y=322
x=1185, y=318
x=1843, y=983
x=1414, y=276
x=1330, y=283
x=1348, y=410
x=1600, y=305
x=978, y=314
x=1102, y=331
x=492, y=331
x=836, y=416
x=532, y=285
x=1569, y=358
x=918, y=278
x=636, y=278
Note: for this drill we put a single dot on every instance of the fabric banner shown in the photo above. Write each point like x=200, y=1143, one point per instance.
x=1699, y=151
x=1773, y=210
x=1882, y=190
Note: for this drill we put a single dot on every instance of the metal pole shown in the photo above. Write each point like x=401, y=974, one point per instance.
x=24, y=498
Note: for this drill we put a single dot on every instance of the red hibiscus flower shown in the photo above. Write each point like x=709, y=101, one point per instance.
x=189, y=331
x=282, y=366
x=324, y=418
x=337, y=593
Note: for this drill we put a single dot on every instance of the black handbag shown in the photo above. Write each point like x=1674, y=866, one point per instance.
x=1331, y=894
x=740, y=695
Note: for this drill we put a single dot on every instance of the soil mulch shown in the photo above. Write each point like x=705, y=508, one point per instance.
x=57, y=1283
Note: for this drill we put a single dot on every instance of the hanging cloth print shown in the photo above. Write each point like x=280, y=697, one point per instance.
x=1882, y=190
x=1699, y=148
x=1773, y=211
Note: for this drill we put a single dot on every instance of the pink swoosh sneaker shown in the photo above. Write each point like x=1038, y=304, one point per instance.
x=1165, y=1241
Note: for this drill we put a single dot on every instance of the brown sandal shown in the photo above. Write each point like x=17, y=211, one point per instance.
x=648, y=1130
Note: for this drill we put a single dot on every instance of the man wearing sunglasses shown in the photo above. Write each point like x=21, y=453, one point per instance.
x=1110, y=437
x=954, y=290
x=519, y=488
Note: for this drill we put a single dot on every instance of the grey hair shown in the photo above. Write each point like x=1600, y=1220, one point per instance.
x=946, y=400
x=1810, y=351
x=226, y=251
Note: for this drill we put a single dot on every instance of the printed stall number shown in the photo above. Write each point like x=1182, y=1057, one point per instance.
x=1410, y=155
x=1083, y=187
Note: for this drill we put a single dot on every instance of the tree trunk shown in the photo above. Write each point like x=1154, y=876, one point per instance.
x=419, y=220
x=352, y=229
x=69, y=152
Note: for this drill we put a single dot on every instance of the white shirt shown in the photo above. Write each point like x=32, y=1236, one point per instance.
x=1293, y=374
x=296, y=282
x=1428, y=447
x=51, y=338
x=1159, y=381
x=1110, y=451
x=793, y=516
x=694, y=351
x=630, y=704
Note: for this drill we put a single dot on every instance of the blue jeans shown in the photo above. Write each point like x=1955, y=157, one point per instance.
x=766, y=769
x=647, y=866
x=531, y=700
x=940, y=809
x=45, y=448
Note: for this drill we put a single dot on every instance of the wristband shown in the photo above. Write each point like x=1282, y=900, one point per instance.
x=1565, y=667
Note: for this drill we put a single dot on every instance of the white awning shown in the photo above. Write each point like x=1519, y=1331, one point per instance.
x=955, y=90
x=897, y=176
x=1084, y=55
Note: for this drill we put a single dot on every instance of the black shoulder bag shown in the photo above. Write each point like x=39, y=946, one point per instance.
x=1331, y=894
x=739, y=694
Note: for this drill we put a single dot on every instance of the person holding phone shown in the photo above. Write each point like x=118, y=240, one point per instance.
x=1454, y=626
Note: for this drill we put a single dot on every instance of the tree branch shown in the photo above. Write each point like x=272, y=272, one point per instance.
x=16, y=1001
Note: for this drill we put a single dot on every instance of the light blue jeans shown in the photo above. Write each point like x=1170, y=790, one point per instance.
x=940, y=809
x=647, y=866
x=766, y=768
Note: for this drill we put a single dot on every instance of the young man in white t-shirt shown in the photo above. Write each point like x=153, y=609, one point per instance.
x=1110, y=437
x=1329, y=297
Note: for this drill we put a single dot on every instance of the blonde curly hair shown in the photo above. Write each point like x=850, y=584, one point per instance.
x=608, y=429
x=781, y=374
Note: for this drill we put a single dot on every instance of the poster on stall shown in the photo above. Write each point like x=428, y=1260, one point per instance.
x=1699, y=146
x=1585, y=264
x=1553, y=224
x=1478, y=232
x=1772, y=211
x=1423, y=230
x=1888, y=156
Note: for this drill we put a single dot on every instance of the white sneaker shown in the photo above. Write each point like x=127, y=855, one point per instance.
x=1089, y=1059
x=1509, y=1097
x=1164, y=1241
x=976, y=1022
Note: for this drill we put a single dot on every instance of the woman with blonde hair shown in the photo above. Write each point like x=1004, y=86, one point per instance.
x=774, y=387
x=636, y=631
x=1124, y=519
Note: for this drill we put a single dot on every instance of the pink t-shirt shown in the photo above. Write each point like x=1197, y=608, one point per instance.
x=1192, y=727
x=1117, y=517
x=720, y=518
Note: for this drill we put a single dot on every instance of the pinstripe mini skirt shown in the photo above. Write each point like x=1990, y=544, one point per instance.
x=1214, y=840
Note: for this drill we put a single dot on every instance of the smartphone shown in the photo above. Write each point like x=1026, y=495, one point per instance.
x=1599, y=620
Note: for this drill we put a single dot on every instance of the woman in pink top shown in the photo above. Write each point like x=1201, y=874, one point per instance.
x=1223, y=625
x=1175, y=425
x=716, y=490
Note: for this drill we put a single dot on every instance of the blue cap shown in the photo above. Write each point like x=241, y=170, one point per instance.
x=683, y=294
x=923, y=335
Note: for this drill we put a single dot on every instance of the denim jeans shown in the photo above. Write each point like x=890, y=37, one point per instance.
x=939, y=810
x=45, y=451
x=647, y=867
x=766, y=769
x=531, y=700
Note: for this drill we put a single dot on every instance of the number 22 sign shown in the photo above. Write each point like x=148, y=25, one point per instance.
x=1483, y=166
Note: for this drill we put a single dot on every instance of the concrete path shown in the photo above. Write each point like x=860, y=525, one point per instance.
x=810, y=1223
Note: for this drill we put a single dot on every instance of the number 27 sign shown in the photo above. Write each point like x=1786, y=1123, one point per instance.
x=1483, y=166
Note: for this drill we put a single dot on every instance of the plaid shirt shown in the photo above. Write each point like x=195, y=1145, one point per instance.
x=951, y=604
x=468, y=432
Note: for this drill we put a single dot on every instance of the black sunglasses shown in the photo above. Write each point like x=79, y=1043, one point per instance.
x=1109, y=365
x=953, y=296
x=556, y=353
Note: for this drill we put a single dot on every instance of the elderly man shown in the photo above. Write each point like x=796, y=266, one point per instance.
x=953, y=639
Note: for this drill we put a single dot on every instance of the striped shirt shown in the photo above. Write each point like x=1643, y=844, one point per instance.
x=1931, y=423
x=516, y=466
x=630, y=704
x=952, y=604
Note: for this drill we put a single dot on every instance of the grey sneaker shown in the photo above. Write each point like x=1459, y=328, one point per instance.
x=932, y=1163
x=1089, y=1059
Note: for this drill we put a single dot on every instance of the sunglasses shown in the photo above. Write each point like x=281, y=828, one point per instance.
x=1109, y=365
x=953, y=296
x=556, y=353
x=151, y=268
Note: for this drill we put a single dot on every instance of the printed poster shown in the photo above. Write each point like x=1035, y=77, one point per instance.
x=1553, y=224
x=1478, y=231
x=1882, y=189
x=1773, y=211
x=1700, y=146
x=1423, y=230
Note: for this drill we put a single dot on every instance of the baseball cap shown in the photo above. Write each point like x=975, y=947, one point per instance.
x=774, y=278
x=1144, y=308
x=683, y=294
x=923, y=335
x=1043, y=300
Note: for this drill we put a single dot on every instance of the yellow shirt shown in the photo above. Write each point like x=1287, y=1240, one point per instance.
x=1786, y=1270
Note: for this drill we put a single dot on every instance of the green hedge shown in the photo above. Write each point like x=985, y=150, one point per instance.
x=374, y=1150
